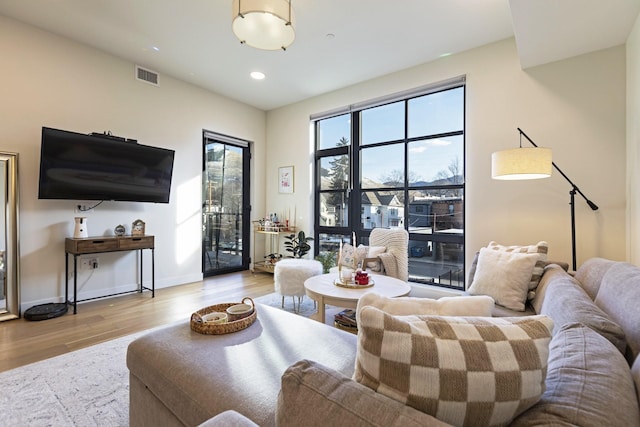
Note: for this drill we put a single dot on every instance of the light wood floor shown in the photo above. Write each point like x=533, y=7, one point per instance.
x=23, y=342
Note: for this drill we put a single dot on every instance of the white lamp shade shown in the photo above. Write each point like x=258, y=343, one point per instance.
x=521, y=163
x=263, y=24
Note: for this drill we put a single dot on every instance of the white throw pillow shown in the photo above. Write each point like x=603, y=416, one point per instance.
x=351, y=256
x=374, y=252
x=447, y=306
x=541, y=248
x=504, y=276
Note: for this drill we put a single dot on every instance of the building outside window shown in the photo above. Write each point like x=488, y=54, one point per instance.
x=397, y=162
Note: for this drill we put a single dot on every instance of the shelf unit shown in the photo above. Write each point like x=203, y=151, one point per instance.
x=272, y=245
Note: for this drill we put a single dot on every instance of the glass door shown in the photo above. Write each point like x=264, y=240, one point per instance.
x=225, y=209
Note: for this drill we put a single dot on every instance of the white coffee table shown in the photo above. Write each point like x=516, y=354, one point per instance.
x=323, y=290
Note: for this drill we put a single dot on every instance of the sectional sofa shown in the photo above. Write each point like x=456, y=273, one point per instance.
x=287, y=370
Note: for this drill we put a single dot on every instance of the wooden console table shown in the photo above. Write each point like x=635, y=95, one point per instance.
x=94, y=245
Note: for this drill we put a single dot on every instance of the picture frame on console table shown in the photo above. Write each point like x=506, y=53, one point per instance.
x=285, y=180
x=138, y=228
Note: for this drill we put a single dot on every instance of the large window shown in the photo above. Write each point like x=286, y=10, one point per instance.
x=397, y=162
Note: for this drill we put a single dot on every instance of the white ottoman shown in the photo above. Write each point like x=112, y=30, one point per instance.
x=289, y=276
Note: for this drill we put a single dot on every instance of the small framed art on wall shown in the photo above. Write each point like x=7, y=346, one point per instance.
x=285, y=179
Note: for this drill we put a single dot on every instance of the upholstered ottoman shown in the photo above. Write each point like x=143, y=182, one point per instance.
x=289, y=277
x=179, y=377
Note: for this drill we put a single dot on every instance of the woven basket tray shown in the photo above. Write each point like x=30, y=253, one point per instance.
x=201, y=327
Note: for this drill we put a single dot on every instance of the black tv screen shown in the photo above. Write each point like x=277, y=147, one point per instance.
x=75, y=166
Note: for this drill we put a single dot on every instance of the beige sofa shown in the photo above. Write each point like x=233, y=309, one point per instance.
x=289, y=371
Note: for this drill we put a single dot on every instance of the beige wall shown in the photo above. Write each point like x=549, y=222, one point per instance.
x=576, y=107
x=633, y=144
x=49, y=81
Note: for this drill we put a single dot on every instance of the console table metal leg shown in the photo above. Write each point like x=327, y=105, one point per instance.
x=141, y=270
x=75, y=284
x=66, y=278
x=153, y=273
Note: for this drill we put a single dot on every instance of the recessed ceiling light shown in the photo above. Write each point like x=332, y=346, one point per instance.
x=257, y=75
x=156, y=48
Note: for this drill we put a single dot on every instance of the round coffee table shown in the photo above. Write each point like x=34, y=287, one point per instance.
x=323, y=290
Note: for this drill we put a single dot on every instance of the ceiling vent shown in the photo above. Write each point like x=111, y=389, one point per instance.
x=147, y=76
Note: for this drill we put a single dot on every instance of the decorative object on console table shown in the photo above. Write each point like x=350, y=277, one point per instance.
x=119, y=230
x=80, y=231
x=285, y=179
x=534, y=163
x=137, y=228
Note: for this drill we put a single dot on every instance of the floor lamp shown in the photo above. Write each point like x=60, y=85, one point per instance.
x=534, y=163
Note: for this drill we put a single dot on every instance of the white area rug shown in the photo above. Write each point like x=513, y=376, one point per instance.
x=275, y=300
x=87, y=387
x=307, y=308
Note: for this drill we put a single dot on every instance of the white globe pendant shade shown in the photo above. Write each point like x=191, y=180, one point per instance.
x=521, y=163
x=263, y=24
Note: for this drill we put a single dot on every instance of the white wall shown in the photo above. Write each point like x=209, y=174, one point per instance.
x=49, y=81
x=633, y=144
x=575, y=106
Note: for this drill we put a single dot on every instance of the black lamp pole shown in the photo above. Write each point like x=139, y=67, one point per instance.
x=572, y=194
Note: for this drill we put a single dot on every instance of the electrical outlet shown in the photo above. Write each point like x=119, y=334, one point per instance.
x=83, y=209
x=89, y=263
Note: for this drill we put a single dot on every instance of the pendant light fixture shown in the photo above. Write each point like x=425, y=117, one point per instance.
x=264, y=24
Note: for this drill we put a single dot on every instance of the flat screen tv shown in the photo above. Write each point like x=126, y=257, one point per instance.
x=75, y=166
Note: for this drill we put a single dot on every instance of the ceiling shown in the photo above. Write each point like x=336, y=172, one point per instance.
x=338, y=42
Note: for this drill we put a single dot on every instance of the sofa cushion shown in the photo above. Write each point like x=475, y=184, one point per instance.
x=459, y=369
x=561, y=297
x=504, y=276
x=619, y=296
x=635, y=373
x=314, y=395
x=480, y=305
x=590, y=274
x=588, y=384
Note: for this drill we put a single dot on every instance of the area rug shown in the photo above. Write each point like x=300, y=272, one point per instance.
x=87, y=387
x=307, y=308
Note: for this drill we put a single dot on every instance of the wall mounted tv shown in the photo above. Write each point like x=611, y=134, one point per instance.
x=75, y=166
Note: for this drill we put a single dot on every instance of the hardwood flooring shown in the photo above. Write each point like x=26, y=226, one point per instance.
x=23, y=342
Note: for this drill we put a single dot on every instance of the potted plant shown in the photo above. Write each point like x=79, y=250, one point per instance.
x=328, y=260
x=297, y=244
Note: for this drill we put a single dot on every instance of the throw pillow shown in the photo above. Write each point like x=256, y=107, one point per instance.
x=481, y=305
x=540, y=248
x=374, y=252
x=588, y=384
x=479, y=371
x=504, y=276
x=351, y=255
